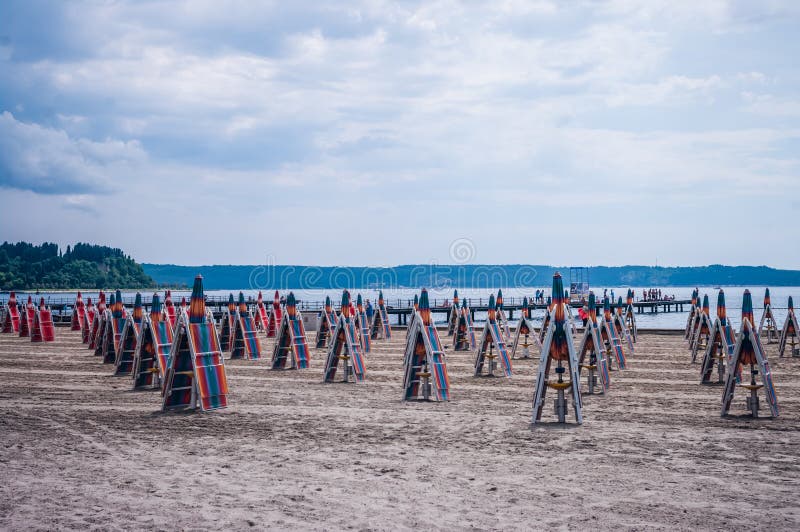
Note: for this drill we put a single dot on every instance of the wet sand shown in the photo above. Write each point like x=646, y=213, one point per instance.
x=79, y=449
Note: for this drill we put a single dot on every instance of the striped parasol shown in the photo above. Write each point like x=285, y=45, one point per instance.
x=118, y=307
x=747, y=308
x=722, y=313
x=424, y=308
x=592, y=307
x=137, y=308
x=559, y=349
x=491, y=313
x=345, y=304
x=155, y=309
x=197, y=307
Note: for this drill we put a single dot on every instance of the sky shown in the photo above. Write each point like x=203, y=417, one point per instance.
x=380, y=133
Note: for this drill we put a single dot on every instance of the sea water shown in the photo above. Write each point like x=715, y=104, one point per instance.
x=402, y=298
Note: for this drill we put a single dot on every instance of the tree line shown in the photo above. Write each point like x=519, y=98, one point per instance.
x=26, y=266
x=464, y=276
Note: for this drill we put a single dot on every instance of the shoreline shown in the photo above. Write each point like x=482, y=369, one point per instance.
x=188, y=289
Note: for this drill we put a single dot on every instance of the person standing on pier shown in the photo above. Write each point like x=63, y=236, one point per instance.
x=583, y=312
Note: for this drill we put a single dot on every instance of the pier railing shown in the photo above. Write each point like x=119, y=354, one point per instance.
x=401, y=307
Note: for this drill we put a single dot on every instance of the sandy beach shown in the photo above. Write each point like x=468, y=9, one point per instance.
x=79, y=449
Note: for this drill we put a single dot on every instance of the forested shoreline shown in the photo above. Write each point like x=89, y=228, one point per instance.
x=25, y=266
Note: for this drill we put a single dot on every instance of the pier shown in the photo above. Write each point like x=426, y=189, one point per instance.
x=402, y=308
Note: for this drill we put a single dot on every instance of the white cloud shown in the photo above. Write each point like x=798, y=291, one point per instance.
x=670, y=90
x=48, y=161
x=753, y=77
x=316, y=108
x=769, y=105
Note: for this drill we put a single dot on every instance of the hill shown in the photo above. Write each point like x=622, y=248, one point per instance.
x=25, y=266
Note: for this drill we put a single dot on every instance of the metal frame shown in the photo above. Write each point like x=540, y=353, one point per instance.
x=464, y=340
x=503, y=323
x=380, y=327
x=612, y=343
x=364, y=330
x=622, y=330
x=285, y=330
x=786, y=335
x=325, y=328
x=156, y=369
x=769, y=322
x=240, y=347
x=630, y=316
x=182, y=334
x=107, y=348
x=492, y=336
x=453, y=317
x=721, y=343
x=524, y=322
x=696, y=319
x=226, y=326
x=545, y=325
x=703, y=324
x=434, y=365
x=542, y=379
x=687, y=334
x=346, y=348
x=749, y=336
x=591, y=344
x=131, y=330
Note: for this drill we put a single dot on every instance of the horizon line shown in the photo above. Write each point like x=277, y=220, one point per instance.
x=456, y=265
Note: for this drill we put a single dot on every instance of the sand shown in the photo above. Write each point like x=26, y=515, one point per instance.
x=79, y=449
